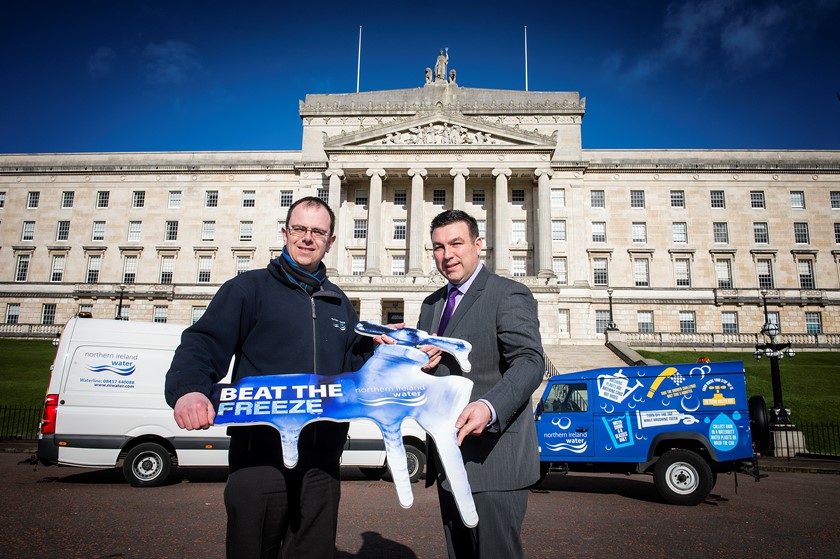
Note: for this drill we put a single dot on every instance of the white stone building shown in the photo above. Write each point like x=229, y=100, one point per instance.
x=678, y=244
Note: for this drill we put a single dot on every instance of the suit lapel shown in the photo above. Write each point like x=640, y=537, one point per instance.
x=437, y=309
x=467, y=300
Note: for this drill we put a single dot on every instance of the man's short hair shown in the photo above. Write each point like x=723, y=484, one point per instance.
x=449, y=217
x=312, y=201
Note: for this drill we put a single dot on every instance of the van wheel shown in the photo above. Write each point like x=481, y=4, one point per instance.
x=759, y=423
x=682, y=477
x=416, y=462
x=147, y=465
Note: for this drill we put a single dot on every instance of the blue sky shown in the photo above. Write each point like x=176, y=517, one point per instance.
x=119, y=75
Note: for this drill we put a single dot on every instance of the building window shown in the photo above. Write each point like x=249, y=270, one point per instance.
x=167, y=269
x=12, y=313
x=834, y=196
x=482, y=228
x=639, y=232
x=558, y=198
x=32, y=200
x=806, y=273
x=324, y=195
x=138, y=198
x=729, y=322
x=246, y=231
x=517, y=231
x=720, y=232
x=718, y=199
x=679, y=232
x=197, y=313
x=559, y=265
x=837, y=233
x=478, y=197
x=602, y=321
x=48, y=313
x=723, y=273
x=208, y=230
x=160, y=314
x=518, y=266
x=637, y=198
x=800, y=233
x=86, y=310
x=122, y=312
x=438, y=197
x=597, y=199
x=57, y=271
x=98, y=233
x=688, y=323
x=558, y=229
x=399, y=229
x=764, y=268
x=398, y=265
x=174, y=199
x=62, y=232
x=205, y=266
x=757, y=200
x=243, y=264
x=644, y=321
x=682, y=272
x=600, y=272
x=67, y=199
x=211, y=199
x=361, y=198
x=677, y=198
x=599, y=232
x=280, y=226
x=285, y=198
x=134, y=231
x=102, y=198
x=400, y=198
x=563, y=321
x=22, y=270
x=797, y=199
x=130, y=269
x=813, y=323
x=761, y=233
x=171, y=231
x=2, y=199
x=517, y=196
x=28, y=231
x=249, y=198
x=94, y=265
x=641, y=272
x=360, y=229
x=357, y=265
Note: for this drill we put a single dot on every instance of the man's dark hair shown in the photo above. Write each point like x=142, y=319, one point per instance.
x=449, y=217
x=312, y=201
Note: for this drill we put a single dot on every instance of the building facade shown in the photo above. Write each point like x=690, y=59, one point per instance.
x=675, y=247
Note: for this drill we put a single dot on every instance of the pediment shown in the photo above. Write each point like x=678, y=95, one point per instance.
x=437, y=130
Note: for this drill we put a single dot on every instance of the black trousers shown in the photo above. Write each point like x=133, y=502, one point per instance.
x=276, y=512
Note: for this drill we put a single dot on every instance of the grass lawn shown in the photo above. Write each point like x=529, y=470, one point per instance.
x=24, y=371
x=810, y=381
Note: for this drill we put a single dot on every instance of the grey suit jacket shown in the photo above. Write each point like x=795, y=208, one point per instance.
x=498, y=316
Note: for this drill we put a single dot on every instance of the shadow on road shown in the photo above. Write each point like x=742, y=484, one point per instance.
x=638, y=489
x=374, y=546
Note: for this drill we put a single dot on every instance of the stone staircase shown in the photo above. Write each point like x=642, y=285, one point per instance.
x=572, y=358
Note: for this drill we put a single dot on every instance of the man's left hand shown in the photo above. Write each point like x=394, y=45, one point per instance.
x=473, y=420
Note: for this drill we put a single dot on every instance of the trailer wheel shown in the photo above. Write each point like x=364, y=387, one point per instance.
x=683, y=477
x=759, y=423
x=147, y=465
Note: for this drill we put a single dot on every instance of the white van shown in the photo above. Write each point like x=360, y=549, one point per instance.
x=105, y=404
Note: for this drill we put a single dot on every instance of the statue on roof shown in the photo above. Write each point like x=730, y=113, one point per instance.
x=440, y=65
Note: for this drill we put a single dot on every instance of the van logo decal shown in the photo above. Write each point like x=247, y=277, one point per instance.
x=123, y=371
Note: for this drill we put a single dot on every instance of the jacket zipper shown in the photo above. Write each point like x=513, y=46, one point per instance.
x=314, y=336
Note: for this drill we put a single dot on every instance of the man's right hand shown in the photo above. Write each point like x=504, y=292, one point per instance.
x=194, y=411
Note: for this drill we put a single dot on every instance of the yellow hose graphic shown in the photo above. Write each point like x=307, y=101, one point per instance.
x=658, y=380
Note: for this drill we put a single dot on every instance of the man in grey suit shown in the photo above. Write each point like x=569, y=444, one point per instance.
x=496, y=432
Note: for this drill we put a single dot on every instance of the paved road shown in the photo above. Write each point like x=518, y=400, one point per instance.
x=69, y=512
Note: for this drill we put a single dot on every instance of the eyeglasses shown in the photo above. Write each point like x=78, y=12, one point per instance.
x=300, y=231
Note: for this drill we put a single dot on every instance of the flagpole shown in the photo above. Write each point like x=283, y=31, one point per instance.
x=359, y=62
x=526, y=58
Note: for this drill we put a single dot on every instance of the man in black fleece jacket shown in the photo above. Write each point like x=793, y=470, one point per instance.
x=284, y=319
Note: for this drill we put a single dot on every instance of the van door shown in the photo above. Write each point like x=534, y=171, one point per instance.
x=564, y=428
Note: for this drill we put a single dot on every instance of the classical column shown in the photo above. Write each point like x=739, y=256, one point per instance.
x=416, y=223
x=545, y=269
x=459, y=188
x=501, y=238
x=373, y=248
x=370, y=310
x=333, y=256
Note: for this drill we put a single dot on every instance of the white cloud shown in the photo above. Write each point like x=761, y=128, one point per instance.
x=171, y=62
x=101, y=61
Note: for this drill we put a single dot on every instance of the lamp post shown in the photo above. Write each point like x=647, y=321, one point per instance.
x=119, y=306
x=774, y=351
x=611, y=326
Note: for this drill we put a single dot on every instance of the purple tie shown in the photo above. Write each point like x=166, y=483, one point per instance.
x=448, y=310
